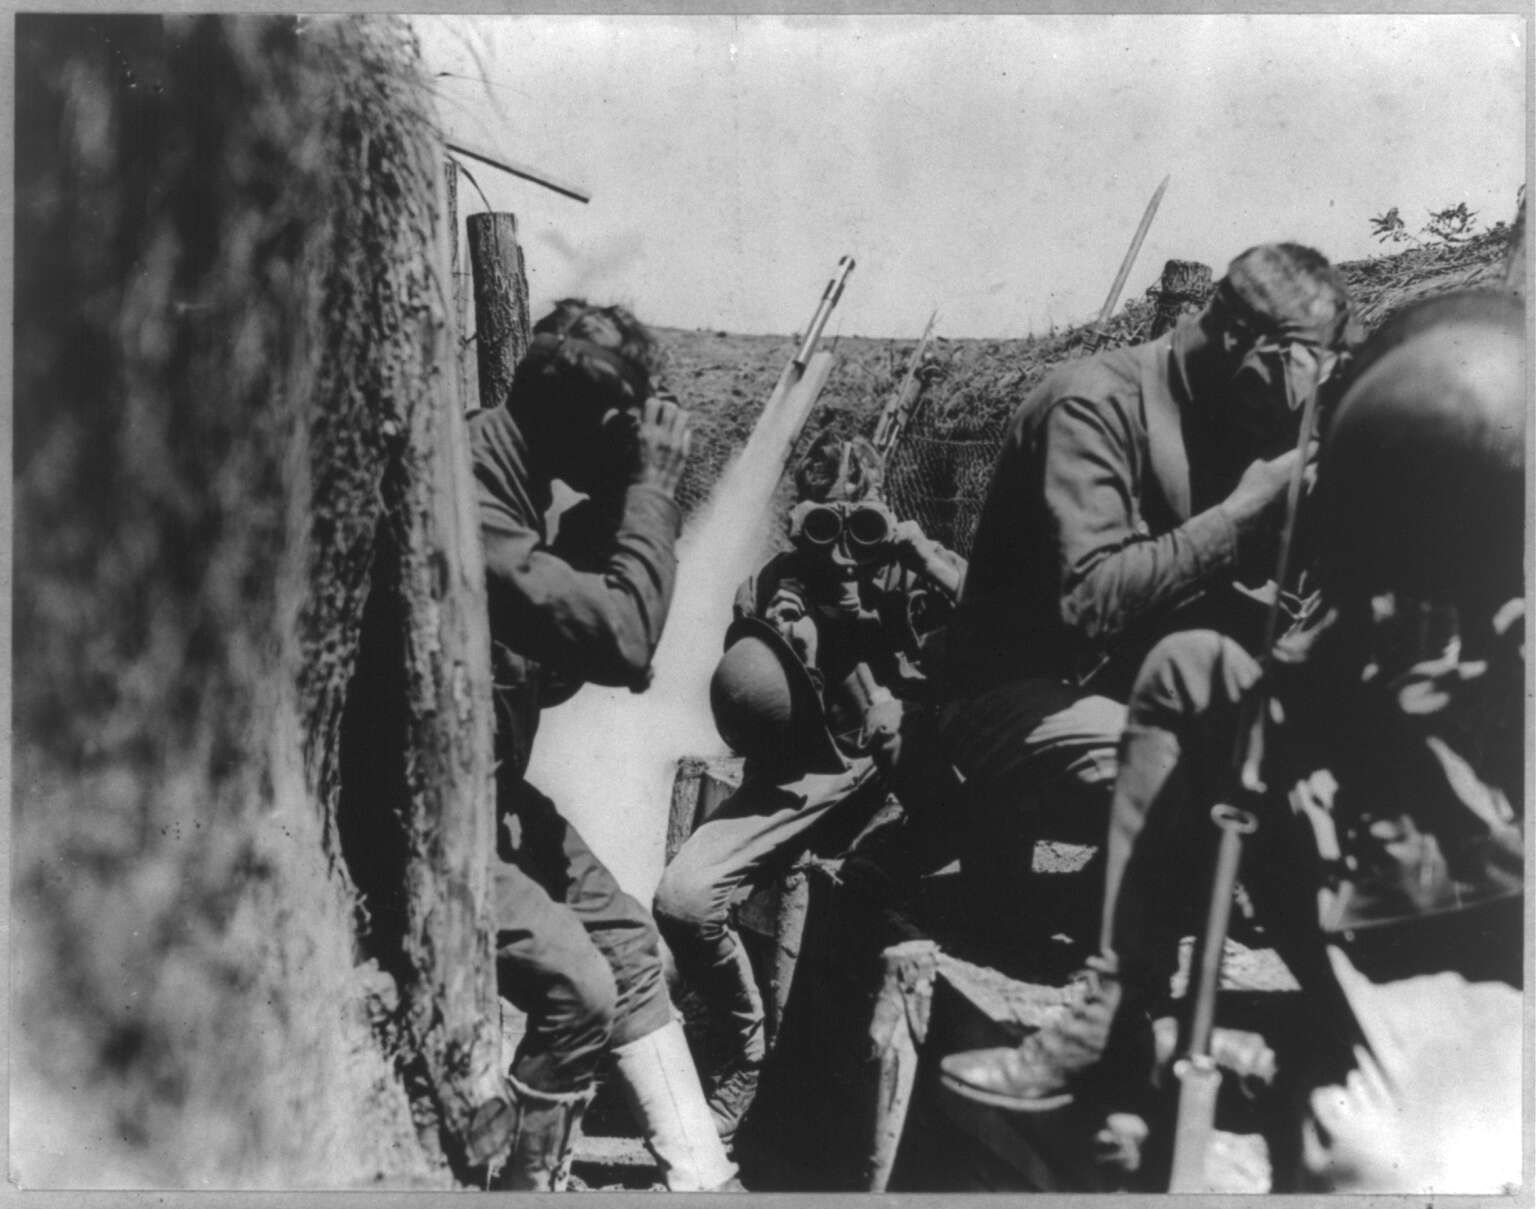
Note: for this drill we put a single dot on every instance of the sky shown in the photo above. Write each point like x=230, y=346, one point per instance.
x=991, y=166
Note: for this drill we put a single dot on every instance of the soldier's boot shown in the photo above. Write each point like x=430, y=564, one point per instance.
x=543, y=1136
x=1064, y=1057
x=661, y=1085
x=729, y=987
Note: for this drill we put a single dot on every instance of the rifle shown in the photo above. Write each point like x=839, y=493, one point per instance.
x=1199, y=1078
x=899, y=411
x=1108, y=309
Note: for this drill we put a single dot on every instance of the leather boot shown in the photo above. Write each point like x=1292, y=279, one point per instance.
x=543, y=1137
x=662, y=1086
x=1050, y=1066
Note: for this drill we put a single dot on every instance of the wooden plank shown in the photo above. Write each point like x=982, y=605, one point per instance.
x=699, y=788
x=451, y=994
x=463, y=326
x=899, y=1024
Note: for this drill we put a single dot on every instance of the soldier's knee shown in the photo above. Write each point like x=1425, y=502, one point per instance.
x=1189, y=672
x=583, y=998
x=685, y=901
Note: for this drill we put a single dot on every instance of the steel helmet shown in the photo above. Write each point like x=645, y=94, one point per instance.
x=1421, y=478
x=765, y=704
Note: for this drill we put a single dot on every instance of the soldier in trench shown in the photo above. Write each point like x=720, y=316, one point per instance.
x=822, y=688
x=574, y=951
x=1138, y=492
x=1394, y=889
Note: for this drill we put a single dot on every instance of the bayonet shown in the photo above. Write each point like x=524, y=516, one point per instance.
x=899, y=411
x=1126, y=264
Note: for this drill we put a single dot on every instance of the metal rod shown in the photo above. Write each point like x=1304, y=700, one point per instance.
x=459, y=147
x=1234, y=823
x=829, y=297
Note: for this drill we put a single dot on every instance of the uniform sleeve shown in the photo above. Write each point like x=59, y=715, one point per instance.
x=757, y=591
x=745, y=602
x=958, y=565
x=1113, y=572
x=601, y=625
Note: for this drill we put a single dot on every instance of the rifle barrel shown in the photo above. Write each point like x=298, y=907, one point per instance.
x=894, y=418
x=1234, y=823
x=829, y=299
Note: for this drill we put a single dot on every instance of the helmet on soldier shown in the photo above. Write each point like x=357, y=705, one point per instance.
x=1421, y=477
x=765, y=704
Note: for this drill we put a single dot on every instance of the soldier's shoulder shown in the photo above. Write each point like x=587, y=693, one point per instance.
x=485, y=420
x=1101, y=376
x=1108, y=384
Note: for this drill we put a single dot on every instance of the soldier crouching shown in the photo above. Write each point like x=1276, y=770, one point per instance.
x=1409, y=693
x=819, y=688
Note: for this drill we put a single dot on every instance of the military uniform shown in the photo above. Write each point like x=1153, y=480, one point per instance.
x=869, y=634
x=1393, y=732
x=572, y=949
x=1101, y=532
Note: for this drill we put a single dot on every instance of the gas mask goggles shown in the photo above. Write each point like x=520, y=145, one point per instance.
x=1301, y=366
x=859, y=531
x=1280, y=359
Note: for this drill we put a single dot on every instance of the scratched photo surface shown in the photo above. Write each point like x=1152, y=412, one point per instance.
x=662, y=603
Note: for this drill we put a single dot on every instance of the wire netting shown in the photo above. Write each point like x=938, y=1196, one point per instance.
x=941, y=483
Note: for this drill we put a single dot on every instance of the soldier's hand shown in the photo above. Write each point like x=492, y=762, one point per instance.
x=882, y=731
x=1261, y=490
x=664, y=444
x=786, y=607
x=788, y=614
x=920, y=552
x=914, y=546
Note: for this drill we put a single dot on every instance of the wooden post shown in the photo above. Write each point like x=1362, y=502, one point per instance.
x=699, y=789
x=685, y=803
x=452, y=999
x=1185, y=287
x=1514, y=259
x=899, y=1025
x=501, y=302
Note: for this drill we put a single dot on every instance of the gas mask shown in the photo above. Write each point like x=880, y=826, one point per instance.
x=1271, y=370
x=847, y=533
x=583, y=401
x=840, y=528
x=1280, y=363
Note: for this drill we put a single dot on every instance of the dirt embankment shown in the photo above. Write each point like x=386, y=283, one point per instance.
x=190, y=1006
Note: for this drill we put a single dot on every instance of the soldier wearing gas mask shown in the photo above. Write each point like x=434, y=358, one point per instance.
x=1138, y=492
x=820, y=688
x=1387, y=862
x=573, y=950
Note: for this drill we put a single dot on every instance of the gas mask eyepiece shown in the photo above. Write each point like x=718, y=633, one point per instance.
x=859, y=531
